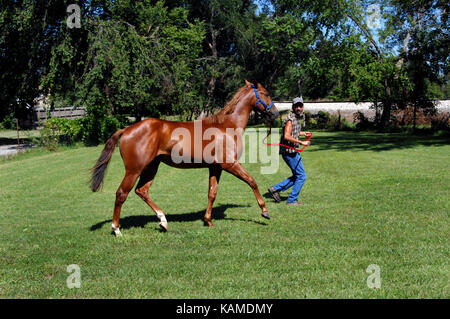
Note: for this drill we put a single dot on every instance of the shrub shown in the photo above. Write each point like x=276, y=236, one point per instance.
x=49, y=136
x=441, y=122
x=323, y=120
x=309, y=121
x=109, y=126
x=98, y=130
x=60, y=130
x=9, y=122
x=362, y=122
x=91, y=130
x=277, y=123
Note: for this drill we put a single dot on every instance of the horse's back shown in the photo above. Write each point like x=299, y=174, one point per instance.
x=175, y=144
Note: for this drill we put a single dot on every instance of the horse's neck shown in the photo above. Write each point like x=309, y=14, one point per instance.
x=242, y=112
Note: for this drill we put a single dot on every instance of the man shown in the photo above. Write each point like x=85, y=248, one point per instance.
x=290, y=136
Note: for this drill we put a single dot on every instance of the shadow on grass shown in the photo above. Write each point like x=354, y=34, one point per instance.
x=247, y=221
x=269, y=197
x=142, y=220
x=366, y=141
x=13, y=141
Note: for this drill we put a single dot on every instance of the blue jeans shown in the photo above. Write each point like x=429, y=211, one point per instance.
x=298, y=178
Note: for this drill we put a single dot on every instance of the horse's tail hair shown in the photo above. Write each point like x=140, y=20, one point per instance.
x=99, y=169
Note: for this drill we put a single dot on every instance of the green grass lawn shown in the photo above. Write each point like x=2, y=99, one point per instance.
x=370, y=198
x=23, y=134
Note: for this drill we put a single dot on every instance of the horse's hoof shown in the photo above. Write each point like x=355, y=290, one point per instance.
x=163, y=226
x=208, y=223
x=116, y=232
x=265, y=215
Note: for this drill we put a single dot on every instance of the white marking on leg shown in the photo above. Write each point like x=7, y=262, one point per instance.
x=163, y=220
x=161, y=217
x=116, y=230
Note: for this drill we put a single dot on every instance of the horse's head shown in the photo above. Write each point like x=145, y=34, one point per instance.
x=264, y=103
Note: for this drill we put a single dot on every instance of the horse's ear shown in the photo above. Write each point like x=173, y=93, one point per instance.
x=248, y=83
x=258, y=85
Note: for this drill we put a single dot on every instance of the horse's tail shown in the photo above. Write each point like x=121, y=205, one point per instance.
x=99, y=169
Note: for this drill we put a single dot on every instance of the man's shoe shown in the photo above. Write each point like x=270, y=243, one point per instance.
x=296, y=203
x=275, y=194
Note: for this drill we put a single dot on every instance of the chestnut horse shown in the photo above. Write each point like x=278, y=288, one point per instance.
x=199, y=144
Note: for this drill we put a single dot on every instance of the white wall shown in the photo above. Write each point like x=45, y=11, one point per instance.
x=346, y=107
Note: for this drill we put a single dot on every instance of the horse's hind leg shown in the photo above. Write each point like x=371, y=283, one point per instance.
x=145, y=181
x=121, y=195
x=214, y=177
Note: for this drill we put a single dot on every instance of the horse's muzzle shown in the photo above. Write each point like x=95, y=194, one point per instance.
x=273, y=113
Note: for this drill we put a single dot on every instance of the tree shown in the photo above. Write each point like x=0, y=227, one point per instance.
x=352, y=56
x=130, y=58
x=405, y=21
x=25, y=43
x=230, y=27
x=421, y=28
x=146, y=57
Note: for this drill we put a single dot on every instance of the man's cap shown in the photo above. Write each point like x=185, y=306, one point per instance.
x=297, y=100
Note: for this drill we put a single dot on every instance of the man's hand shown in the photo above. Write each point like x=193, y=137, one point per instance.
x=305, y=143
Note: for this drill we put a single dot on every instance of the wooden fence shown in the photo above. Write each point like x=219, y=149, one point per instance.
x=40, y=115
x=64, y=112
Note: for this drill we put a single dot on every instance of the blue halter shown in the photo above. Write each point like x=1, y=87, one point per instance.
x=258, y=100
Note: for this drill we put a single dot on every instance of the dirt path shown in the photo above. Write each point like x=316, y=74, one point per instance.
x=13, y=149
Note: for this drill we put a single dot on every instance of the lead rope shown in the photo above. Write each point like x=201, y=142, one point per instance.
x=307, y=138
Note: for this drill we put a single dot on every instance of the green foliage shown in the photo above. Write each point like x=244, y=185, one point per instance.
x=152, y=58
x=351, y=59
x=441, y=124
x=362, y=122
x=98, y=129
x=26, y=41
x=8, y=122
x=323, y=119
x=137, y=60
x=59, y=130
x=109, y=126
x=91, y=130
x=326, y=121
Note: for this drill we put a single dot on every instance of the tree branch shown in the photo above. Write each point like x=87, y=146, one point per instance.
x=367, y=35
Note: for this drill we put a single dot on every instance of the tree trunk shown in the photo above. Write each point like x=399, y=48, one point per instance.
x=387, y=106
x=18, y=137
x=212, y=81
x=415, y=117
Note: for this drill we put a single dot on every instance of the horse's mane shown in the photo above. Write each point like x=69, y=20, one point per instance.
x=229, y=108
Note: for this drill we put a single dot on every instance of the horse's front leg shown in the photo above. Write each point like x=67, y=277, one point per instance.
x=239, y=171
